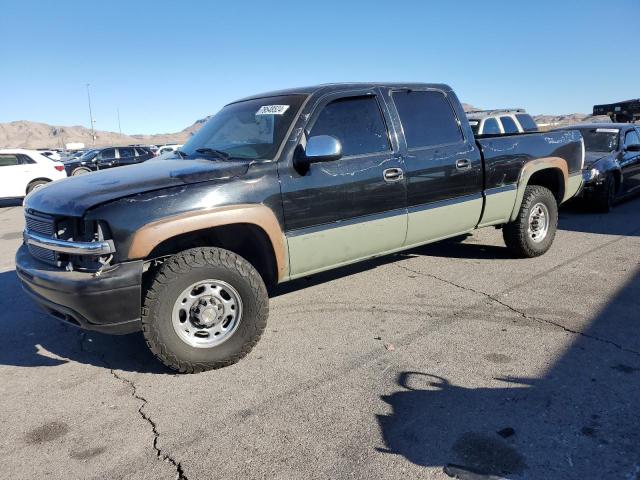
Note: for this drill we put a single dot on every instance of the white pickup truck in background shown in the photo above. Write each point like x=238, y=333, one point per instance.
x=501, y=122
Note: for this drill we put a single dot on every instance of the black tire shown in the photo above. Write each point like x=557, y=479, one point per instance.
x=80, y=171
x=516, y=234
x=605, y=197
x=176, y=274
x=36, y=184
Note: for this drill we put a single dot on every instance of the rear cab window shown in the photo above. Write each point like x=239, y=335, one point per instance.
x=527, y=122
x=358, y=124
x=427, y=118
x=509, y=125
x=491, y=127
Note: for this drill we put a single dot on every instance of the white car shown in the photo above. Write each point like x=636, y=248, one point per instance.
x=52, y=154
x=167, y=148
x=22, y=171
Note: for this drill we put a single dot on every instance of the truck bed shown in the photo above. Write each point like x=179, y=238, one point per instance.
x=505, y=156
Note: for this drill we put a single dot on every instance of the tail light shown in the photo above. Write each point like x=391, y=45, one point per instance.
x=59, y=168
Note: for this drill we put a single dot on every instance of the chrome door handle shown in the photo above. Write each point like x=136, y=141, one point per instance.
x=392, y=175
x=463, y=164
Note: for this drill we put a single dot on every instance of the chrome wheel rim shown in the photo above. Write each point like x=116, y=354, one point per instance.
x=207, y=313
x=538, y=222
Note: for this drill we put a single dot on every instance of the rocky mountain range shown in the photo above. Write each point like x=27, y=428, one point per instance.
x=26, y=134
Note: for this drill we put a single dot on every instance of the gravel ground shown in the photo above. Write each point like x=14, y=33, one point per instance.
x=450, y=358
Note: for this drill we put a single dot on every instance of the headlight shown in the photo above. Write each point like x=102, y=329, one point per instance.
x=588, y=175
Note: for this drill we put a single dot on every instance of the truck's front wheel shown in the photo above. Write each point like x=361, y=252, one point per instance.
x=205, y=308
x=532, y=232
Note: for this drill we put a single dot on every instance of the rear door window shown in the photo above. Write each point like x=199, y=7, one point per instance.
x=527, y=122
x=108, y=154
x=141, y=151
x=631, y=138
x=126, y=152
x=509, y=125
x=8, y=160
x=491, y=127
x=357, y=123
x=427, y=118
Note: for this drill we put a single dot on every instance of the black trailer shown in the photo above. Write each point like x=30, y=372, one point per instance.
x=626, y=111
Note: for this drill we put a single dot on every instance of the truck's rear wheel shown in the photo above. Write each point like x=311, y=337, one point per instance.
x=532, y=232
x=205, y=308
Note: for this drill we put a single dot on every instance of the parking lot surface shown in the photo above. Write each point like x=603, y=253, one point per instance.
x=453, y=357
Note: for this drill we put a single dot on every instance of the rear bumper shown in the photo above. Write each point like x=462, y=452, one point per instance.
x=109, y=303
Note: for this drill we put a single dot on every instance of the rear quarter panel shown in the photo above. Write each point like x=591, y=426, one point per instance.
x=506, y=156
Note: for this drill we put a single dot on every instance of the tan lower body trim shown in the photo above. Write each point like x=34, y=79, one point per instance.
x=431, y=223
x=574, y=184
x=498, y=205
x=339, y=245
x=153, y=234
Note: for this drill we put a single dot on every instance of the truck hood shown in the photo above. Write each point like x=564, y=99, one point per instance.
x=75, y=195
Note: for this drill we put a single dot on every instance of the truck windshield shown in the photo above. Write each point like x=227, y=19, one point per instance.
x=248, y=129
x=600, y=139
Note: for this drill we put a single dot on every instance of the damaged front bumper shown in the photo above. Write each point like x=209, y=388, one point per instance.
x=108, y=302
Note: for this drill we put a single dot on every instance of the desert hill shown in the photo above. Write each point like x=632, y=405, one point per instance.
x=27, y=134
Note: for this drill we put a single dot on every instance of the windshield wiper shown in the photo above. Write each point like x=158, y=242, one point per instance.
x=212, y=151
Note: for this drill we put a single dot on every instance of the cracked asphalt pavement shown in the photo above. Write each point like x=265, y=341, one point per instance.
x=453, y=359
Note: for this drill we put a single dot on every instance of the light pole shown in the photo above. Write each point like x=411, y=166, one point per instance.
x=119, y=127
x=93, y=133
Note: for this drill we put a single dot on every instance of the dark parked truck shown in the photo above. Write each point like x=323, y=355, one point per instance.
x=612, y=162
x=625, y=111
x=272, y=188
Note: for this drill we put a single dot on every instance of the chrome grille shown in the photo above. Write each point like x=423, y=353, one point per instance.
x=43, y=254
x=43, y=225
x=38, y=223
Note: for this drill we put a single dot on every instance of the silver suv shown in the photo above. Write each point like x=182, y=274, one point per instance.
x=501, y=122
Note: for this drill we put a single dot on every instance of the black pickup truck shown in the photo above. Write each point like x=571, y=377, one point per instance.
x=275, y=187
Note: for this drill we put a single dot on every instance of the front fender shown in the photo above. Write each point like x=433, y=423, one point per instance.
x=154, y=233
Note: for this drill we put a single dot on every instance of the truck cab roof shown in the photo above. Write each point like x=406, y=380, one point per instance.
x=336, y=87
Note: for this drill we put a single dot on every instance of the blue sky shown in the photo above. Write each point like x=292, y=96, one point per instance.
x=165, y=64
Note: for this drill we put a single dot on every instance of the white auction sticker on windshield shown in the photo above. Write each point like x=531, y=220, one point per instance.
x=607, y=130
x=272, y=110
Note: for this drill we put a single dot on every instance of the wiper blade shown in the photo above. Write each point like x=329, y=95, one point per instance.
x=212, y=151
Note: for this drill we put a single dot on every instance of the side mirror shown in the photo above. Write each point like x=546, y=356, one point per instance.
x=633, y=148
x=323, y=148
